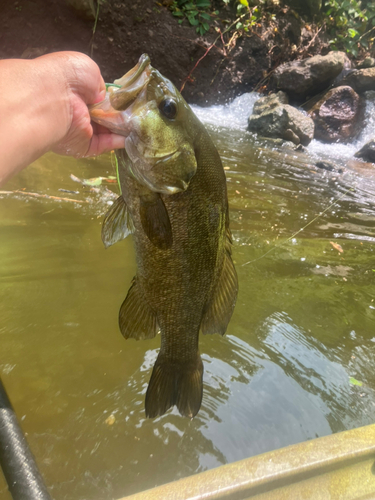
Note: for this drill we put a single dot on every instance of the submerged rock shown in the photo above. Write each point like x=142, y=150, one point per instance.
x=367, y=152
x=338, y=115
x=309, y=76
x=361, y=79
x=284, y=122
x=330, y=166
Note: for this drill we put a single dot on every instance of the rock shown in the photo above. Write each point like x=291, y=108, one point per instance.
x=367, y=152
x=369, y=62
x=308, y=7
x=361, y=79
x=269, y=102
x=309, y=76
x=284, y=122
x=328, y=165
x=338, y=115
x=84, y=8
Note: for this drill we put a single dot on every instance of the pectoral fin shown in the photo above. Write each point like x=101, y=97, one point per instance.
x=137, y=320
x=117, y=223
x=220, y=307
x=155, y=220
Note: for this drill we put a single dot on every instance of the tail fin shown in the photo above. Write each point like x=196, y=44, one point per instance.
x=175, y=384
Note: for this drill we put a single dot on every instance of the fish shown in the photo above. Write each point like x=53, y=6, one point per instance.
x=174, y=202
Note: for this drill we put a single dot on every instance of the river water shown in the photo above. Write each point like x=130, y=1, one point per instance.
x=304, y=323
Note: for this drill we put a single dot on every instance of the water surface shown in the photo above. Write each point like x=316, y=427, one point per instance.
x=303, y=325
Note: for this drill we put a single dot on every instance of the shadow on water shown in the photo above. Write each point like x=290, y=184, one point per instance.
x=303, y=325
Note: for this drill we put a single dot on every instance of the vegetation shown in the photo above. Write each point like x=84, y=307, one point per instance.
x=349, y=24
x=198, y=12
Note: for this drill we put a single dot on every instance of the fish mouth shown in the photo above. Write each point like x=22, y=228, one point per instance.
x=111, y=111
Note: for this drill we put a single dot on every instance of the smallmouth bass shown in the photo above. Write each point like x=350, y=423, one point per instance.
x=174, y=202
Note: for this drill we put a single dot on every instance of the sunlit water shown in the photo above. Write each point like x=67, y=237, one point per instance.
x=303, y=325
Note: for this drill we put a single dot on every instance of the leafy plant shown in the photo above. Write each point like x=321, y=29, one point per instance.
x=351, y=23
x=197, y=12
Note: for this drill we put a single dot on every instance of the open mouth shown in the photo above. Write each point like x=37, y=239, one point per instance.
x=111, y=111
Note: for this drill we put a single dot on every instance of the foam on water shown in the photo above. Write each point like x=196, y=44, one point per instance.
x=235, y=116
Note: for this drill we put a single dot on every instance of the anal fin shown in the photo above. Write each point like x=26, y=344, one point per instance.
x=117, y=223
x=220, y=306
x=136, y=319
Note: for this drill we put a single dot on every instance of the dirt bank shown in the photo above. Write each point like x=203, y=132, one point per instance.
x=126, y=29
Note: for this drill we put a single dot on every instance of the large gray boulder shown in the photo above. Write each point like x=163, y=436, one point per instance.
x=269, y=102
x=361, y=79
x=284, y=122
x=306, y=78
x=338, y=115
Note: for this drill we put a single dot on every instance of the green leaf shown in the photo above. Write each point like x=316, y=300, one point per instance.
x=244, y=2
x=203, y=3
x=354, y=381
x=239, y=26
x=94, y=181
x=352, y=32
x=178, y=13
x=204, y=15
x=193, y=21
x=206, y=26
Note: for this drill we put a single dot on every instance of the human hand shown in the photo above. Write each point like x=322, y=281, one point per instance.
x=43, y=107
x=83, y=85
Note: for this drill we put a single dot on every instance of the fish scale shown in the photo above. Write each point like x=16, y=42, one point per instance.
x=176, y=204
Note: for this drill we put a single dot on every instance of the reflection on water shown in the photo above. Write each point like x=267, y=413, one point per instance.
x=303, y=325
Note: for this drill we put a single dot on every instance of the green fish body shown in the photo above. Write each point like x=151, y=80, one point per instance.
x=174, y=201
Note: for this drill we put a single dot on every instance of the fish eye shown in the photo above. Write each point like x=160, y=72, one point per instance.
x=168, y=108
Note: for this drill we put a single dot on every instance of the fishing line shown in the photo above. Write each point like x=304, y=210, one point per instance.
x=113, y=155
x=302, y=229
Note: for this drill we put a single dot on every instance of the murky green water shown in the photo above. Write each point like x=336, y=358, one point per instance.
x=303, y=325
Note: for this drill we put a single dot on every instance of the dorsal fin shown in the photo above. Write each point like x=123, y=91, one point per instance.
x=220, y=307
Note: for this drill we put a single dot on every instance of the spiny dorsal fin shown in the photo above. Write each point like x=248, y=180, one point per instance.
x=155, y=220
x=137, y=320
x=221, y=304
x=117, y=223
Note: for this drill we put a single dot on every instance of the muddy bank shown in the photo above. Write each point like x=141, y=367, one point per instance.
x=126, y=29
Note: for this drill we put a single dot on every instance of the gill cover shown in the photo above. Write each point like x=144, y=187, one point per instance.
x=157, y=125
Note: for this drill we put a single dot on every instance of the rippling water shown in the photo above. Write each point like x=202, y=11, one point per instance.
x=303, y=325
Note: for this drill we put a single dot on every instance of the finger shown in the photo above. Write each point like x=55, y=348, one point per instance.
x=103, y=143
x=83, y=76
